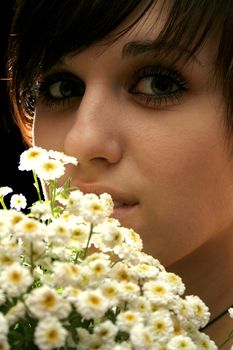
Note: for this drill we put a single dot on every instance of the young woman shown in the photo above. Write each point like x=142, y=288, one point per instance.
x=141, y=92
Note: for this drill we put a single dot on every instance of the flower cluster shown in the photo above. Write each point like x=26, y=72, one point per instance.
x=71, y=277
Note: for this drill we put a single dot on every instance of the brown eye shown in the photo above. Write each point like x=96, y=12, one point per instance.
x=157, y=85
x=65, y=88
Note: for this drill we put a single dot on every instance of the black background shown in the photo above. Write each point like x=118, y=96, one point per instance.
x=11, y=142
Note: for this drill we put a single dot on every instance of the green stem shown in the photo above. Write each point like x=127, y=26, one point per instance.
x=230, y=336
x=37, y=185
x=88, y=241
x=31, y=260
x=2, y=202
x=76, y=256
x=52, y=195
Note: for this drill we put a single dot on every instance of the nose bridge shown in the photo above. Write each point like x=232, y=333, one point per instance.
x=92, y=134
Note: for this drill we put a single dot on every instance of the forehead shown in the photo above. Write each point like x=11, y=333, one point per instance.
x=146, y=36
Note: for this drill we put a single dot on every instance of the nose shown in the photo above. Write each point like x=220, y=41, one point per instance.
x=94, y=137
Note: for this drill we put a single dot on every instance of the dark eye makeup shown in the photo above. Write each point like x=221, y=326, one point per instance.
x=58, y=88
x=152, y=86
x=156, y=85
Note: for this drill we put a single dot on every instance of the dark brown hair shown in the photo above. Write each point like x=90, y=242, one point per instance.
x=44, y=31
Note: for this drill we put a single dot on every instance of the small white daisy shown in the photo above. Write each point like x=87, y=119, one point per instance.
x=63, y=157
x=18, y=202
x=5, y=190
x=181, y=342
x=31, y=158
x=50, y=169
x=50, y=334
x=15, y=279
x=92, y=304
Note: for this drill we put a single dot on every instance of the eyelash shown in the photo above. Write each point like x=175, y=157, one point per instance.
x=148, y=72
x=173, y=76
x=44, y=86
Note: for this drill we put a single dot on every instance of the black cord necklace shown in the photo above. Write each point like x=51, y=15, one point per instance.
x=217, y=317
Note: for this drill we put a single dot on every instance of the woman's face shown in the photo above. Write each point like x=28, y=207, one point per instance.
x=147, y=131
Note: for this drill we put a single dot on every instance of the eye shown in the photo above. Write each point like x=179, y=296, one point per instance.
x=158, y=85
x=60, y=88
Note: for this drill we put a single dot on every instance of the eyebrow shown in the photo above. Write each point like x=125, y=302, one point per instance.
x=135, y=48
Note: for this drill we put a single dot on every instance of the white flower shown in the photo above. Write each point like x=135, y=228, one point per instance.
x=129, y=291
x=128, y=319
x=45, y=301
x=5, y=190
x=204, y=342
x=181, y=342
x=41, y=210
x=2, y=298
x=71, y=293
x=13, y=217
x=5, y=225
x=91, y=304
x=74, y=202
x=50, y=334
x=231, y=312
x=61, y=253
x=59, y=232
x=140, y=304
x=18, y=202
x=66, y=274
x=110, y=238
x=50, y=169
x=15, y=279
x=145, y=271
x=198, y=312
x=123, y=346
x=35, y=251
x=31, y=158
x=141, y=337
x=110, y=290
x=92, y=209
x=107, y=202
x=157, y=291
x=30, y=230
x=99, y=268
x=115, y=298
x=4, y=327
x=10, y=251
x=79, y=236
x=121, y=273
x=83, y=338
x=106, y=330
x=63, y=157
x=15, y=313
x=161, y=325
x=175, y=282
x=133, y=239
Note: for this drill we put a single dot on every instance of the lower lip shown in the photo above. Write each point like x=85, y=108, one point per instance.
x=121, y=213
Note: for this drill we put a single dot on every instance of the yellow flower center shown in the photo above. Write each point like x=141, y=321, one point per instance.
x=52, y=335
x=49, y=300
x=16, y=277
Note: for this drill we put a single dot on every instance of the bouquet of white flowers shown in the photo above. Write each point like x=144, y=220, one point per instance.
x=72, y=278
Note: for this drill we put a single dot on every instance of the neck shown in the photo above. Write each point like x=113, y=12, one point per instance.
x=207, y=272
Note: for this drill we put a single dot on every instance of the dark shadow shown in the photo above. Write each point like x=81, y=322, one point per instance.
x=11, y=143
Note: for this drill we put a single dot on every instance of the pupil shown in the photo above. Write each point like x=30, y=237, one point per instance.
x=66, y=88
x=161, y=84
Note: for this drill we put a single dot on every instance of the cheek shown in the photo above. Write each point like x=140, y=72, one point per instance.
x=188, y=194
x=50, y=129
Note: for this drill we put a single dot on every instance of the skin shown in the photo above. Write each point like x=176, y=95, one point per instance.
x=170, y=158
